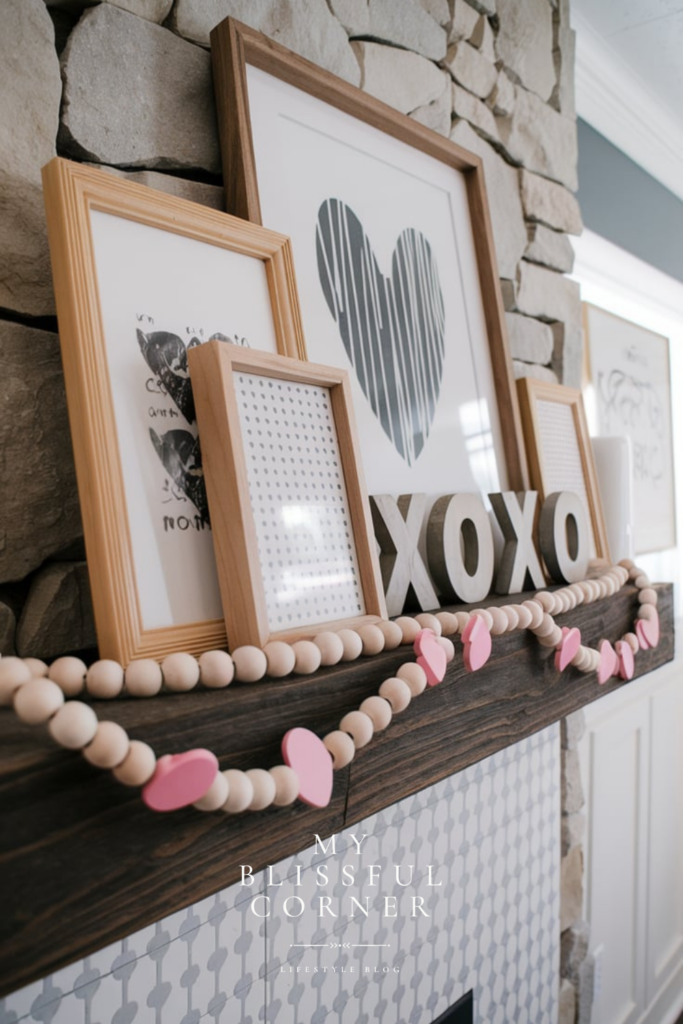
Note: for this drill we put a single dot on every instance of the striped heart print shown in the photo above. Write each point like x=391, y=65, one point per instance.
x=392, y=328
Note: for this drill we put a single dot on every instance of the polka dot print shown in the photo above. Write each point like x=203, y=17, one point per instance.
x=299, y=500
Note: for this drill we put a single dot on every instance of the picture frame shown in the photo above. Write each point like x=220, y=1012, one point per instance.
x=559, y=450
x=628, y=370
x=140, y=277
x=293, y=534
x=417, y=314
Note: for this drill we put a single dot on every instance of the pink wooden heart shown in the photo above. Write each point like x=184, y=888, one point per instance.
x=432, y=657
x=626, y=659
x=567, y=647
x=609, y=662
x=477, y=641
x=308, y=756
x=180, y=779
x=647, y=631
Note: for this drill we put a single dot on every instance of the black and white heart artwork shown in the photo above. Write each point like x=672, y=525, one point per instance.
x=392, y=327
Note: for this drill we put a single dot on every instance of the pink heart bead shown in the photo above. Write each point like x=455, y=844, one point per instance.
x=432, y=657
x=609, y=662
x=567, y=648
x=477, y=641
x=180, y=779
x=647, y=631
x=626, y=659
x=307, y=755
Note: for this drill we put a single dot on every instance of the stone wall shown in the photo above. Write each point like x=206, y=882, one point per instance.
x=126, y=85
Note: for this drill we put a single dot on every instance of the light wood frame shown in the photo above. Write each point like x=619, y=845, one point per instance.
x=239, y=568
x=72, y=191
x=531, y=391
x=233, y=47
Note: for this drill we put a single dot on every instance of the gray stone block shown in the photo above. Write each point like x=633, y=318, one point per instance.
x=507, y=217
x=572, y=729
x=549, y=248
x=471, y=69
x=573, y=950
x=196, y=191
x=475, y=112
x=40, y=514
x=571, y=887
x=572, y=789
x=525, y=43
x=529, y=340
x=437, y=9
x=307, y=27
x=483, y=38
x=508, y=289
x=573, y=829
x=151, y=10
x=568, y=351
x=57, y=617
x=549, y=203
x=136, y=95
x=541, y=139
x=400, y=78
x=8, y=628
x=520, y=369
x=401, y=22
x=547, y=294
x=463, y=22
x=437, y=115
x=31, y=89
x=567, y=1003
x=502, y=98
x=564, y=58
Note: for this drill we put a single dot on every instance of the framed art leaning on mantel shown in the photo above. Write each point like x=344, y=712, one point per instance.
x=141, y=278
x=395, y=262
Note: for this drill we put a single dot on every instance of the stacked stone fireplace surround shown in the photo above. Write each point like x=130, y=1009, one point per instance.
x=126, y=85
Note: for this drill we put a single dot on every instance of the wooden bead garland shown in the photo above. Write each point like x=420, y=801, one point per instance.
x=38, y=692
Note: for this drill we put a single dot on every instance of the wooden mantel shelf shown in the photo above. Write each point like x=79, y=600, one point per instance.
x=85, y=863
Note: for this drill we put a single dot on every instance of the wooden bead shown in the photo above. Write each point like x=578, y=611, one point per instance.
x=69, y=675
x=109, y=747
x=359, y=726
x=648, y=596
x=250, y=665
x=74, y=725
x=263, y=785
x=353, y=645
x=397, y=692
x=597, y=564
x=341, y=748
x=330, y=646
x=484, y=614
x=286, y=785
x=524, y=616
x=138, y=766
x=499, y=622
x=633, y=642
x=448, y=646
x=240, y=790
x=536, y=610
x=307, y=657
x=280, y=659
x=463, y=618
x=414, y=675
x=216, y=669
x=409, y=628
x=642, y=582
x=372, y=639
x=104, y=679
x=13, y=674
x=393, y=636
x=143, y=678
x=37, y=701
x=215, y=796
x=647, y=611
x=378, y=711
x=577, y=592
x=546, y=627
x=36, y=667
x=448, y=622
x=426, y=620
x=180, y=671
x=546, y=600
x=552, y=639
x=511, y=613
x=610, y=585
x=623, y=575
x=627, y=563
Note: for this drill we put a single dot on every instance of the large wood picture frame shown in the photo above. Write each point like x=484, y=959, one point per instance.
x=126, y=258
x=279, y=444
x=239, y=53
x=559, y=450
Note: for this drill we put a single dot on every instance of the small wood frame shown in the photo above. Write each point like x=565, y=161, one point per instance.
x=202, y=267
x=286, y=493
x=559, y=449
x=272, y=188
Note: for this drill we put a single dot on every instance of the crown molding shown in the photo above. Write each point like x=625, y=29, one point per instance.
x=614, y=101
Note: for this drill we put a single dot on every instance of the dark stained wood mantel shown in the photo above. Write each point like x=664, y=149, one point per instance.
x=84, y=863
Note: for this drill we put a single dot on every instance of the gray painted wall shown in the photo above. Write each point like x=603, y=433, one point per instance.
x=624, y=204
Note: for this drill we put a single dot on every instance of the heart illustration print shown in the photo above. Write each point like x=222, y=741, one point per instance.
x=392, y=328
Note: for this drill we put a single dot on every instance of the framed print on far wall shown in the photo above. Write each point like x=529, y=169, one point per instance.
x=394, y=255
x=141, y=278
x=293, y=535
x=628, y=368
x=559, y=450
